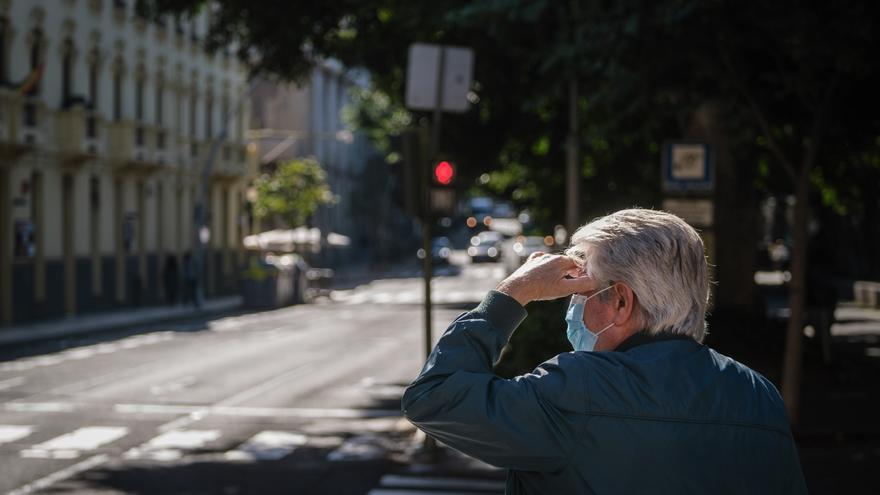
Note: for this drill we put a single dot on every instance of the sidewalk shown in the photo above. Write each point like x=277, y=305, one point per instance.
x=450, y=473
x=122, y=318
x=110, y=320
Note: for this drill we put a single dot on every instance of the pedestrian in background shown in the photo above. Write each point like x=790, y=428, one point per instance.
x=189, y=280
x=171, y=279
x=640, y=406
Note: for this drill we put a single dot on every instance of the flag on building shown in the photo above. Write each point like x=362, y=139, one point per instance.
x=31, y=82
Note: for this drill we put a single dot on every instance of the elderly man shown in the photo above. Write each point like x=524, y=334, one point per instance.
x=640, y=406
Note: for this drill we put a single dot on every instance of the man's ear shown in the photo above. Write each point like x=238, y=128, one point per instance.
x=624, y=302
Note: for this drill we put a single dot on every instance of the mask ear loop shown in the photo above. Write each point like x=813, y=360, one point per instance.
x=594, y=295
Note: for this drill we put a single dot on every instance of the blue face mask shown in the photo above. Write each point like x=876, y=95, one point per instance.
x=581, y=338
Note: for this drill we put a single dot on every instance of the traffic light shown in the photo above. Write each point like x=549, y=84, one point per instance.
x=444, y=173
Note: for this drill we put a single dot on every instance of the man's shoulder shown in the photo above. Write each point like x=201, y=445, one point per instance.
x=751, y=380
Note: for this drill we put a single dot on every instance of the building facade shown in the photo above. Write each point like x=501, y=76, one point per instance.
x=107, y=122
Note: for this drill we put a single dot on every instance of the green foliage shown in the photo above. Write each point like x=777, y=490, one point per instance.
x=540, y=337
x=378, y=116
x=790, y=79
x=293, y=192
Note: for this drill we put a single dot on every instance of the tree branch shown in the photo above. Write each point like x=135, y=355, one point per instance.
x=811, y=150
x=787, y=164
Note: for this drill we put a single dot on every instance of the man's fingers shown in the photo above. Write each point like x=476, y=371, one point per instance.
x=577, y=285
x=536, y=254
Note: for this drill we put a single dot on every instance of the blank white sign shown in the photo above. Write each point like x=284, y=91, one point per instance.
x=422, y=74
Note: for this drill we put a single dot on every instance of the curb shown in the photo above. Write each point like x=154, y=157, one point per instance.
x=103, y=322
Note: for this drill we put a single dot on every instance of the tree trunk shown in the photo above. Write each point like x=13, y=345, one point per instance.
x=791, y=373
x=735, y=210
x=572, y=163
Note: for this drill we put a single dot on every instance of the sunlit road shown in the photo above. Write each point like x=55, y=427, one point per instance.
x=286, y=401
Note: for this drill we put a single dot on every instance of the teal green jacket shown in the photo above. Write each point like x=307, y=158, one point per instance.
x=660, y=414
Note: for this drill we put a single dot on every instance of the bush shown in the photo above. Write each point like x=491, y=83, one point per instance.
x=540, y=337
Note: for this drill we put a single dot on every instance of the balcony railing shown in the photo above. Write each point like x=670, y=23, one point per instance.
x=70, y=134
x=32, y=119
x=9, y=117
x=120, y=142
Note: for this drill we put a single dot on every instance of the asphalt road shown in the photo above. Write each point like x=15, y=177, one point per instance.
x=299, y=400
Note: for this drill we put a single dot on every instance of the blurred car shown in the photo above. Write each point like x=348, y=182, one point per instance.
x=518, y=249
x=503, y=209
x=441, y=251
x=485, y=246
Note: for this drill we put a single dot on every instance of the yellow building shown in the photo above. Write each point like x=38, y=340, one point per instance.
x=106, y=122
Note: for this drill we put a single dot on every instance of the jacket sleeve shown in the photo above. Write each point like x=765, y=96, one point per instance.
x=515, y=424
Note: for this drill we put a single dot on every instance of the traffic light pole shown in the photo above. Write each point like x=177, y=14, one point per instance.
x=430, y=446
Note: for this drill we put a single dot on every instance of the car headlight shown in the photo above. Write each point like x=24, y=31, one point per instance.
x=492, y=252
x=472, y=251
x=445, y=252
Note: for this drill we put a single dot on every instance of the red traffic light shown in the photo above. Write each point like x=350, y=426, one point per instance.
x=444, y=172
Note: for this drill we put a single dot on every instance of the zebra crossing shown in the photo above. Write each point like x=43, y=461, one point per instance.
x=393, y=484
x=407, y=297
x=169, y=446
x=451, y=290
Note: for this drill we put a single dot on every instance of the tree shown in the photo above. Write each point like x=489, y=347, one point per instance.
x=791, y=85
x=292, y=192
x=801, y=79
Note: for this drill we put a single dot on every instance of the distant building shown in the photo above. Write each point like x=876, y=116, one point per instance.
x=290, y=121
x=106, y=120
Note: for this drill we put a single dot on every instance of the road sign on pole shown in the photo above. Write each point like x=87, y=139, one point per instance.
x=438, y=79
x=424, y=73
x=688, y=167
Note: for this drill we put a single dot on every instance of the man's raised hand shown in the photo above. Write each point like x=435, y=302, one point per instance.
x=546, y=276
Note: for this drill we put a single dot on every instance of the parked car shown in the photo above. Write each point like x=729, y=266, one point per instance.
x=441, y=251
x=485, y=246
x=518, y=249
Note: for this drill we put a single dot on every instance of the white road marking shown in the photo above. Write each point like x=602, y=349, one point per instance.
x=439, y=296
x=173, y=386
x=256, y=412
x=235, y=399
x=398, y=481
x=13, y=433
x=48, y=407
x=12, y=382
x=171, y=445
x=359, y=448
x=396, y=491
x=72, y=445
x=68, y=472
x=267, y=446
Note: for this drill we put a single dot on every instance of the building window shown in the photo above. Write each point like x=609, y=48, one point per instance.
x=209, y=117
x=93, y=81
x=66, y=74
x=139, y=111
x=160, y=103
x=34, y=82
x=193, y=103
x=160, y=93
x=91, y=123
x=117, y=94
x=139, y=99
x=4, y=29
x=224, y=113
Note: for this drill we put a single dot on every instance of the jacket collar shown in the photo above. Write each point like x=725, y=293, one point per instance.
x=642, y=338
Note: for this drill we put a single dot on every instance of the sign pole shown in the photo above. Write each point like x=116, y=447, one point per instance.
x=427, y=268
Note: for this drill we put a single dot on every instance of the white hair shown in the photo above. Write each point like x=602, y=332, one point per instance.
x=659, y=256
